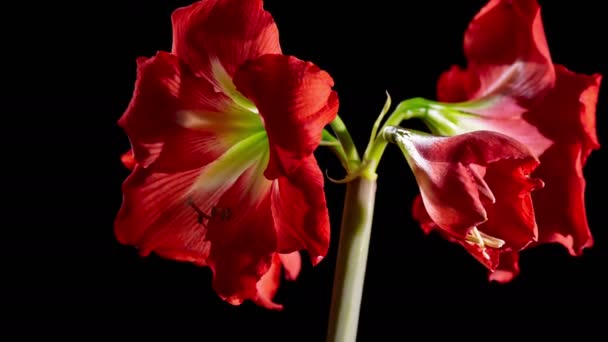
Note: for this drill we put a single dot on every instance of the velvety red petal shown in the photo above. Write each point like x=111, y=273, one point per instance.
x=164, y=89
x=505, y=31
x=188, y=149
x=451, y=197
x=479, y=147
x=128, y=160
x=567, y=115
x=243, y=241
x=292, y=265
x=155, y=216
x=296, y=100
x=154, y=102
x=268, y=285
x=450, y=174
x=511, y=218
x=457, y=85
x=300, y=211
x=225, y=224
x=160, y=212
x=419, y=214
x=489, y=257
x=509, y=71
x=560, y=206
x=229, y=31
x=517, y=128
x=508, y=268
x=568, y=112
x=505, y=46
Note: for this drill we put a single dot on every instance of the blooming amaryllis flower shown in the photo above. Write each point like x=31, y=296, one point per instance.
x=509, y=70
x=475, y=189
x=511, y=86
x=223, y=130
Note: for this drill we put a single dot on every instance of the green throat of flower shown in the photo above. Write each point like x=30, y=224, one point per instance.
x=236, y=132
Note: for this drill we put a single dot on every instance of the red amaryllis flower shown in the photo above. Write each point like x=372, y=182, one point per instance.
x=475, y=188
x=509, y=70
x=222, y=131
x=505, y=42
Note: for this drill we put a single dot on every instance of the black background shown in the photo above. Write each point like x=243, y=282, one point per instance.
x=69, y=73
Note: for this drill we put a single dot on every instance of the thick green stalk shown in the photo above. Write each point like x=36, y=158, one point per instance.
x=352, y=259
x=357, y=217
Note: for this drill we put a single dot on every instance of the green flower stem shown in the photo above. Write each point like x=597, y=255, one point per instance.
x=357, y=217
x=352, y=259
x=347, y=143
x=335, y=146
x=408, y=109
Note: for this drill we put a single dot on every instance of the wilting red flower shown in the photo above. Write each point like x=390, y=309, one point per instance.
x=511, y=86
x=475, y=188
x=222, y=131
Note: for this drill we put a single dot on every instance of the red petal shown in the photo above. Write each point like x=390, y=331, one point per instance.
x=162, y=213
x=186, y=149
x=514, y=127
x=154, y=102
x=511, y=218
x=128, y=160
x=451, y=198
x=450, y=171
x=489, y=257
x=505, y=46
x=231, y=31
x=567, y=114
x=268, y=285
x=509, y=71
x=300, y=211
x=560, y=206
x=162, y=90
x=457, y=85
x=419, y=214
x=155, y=216
x=508, y=268
x=505, y=31
x=243, y=242
x=296, y=100
x=292, y=264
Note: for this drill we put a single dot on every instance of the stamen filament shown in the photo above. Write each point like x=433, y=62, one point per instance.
x=484, y=240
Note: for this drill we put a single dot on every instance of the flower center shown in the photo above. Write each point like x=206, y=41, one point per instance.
x=224, y=83
x=476, y=237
